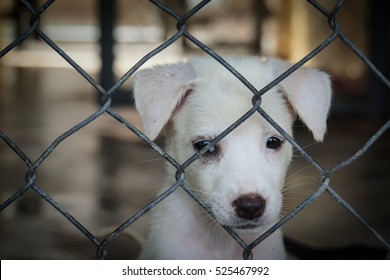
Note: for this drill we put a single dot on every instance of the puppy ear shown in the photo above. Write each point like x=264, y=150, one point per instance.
x=158, y=92
x=309, y=93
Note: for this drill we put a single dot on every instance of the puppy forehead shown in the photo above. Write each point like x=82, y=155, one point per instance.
x=215, y=84
x=213, y=73
x=209, y=110
x=219, y=98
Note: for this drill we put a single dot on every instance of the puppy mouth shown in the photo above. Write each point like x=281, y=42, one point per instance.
x=246, y=225
x=238, y=223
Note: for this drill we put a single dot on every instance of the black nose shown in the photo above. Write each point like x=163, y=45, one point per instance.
x=249, y=206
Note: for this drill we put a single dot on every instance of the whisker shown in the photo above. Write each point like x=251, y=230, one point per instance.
x=298, y=171
x=298, y=187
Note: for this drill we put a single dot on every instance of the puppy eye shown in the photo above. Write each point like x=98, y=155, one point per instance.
x=200, y=144
x=274, y=143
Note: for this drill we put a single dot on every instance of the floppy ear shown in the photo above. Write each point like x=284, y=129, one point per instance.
x=309, y=93
x=158, y=92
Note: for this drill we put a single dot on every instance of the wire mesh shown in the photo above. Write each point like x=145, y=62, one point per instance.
x=182, y=31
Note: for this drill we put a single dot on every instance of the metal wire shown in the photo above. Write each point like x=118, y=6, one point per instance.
x=324, y=174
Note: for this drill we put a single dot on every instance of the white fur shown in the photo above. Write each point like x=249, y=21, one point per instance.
x=199, y=99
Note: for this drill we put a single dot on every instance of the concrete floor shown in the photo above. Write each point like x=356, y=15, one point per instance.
x=103, y=174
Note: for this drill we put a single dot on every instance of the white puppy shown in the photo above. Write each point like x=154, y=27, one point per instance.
x=241, y=178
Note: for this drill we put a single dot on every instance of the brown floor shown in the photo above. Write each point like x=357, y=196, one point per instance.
x=103, y=174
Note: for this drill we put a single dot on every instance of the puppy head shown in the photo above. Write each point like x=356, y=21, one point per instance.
x=193, y=102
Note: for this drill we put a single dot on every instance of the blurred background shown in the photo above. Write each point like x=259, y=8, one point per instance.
x=103, y=174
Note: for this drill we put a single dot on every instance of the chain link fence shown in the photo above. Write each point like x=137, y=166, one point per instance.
x=106, y=109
